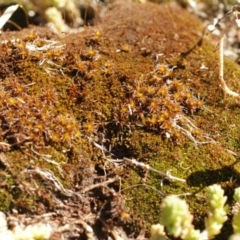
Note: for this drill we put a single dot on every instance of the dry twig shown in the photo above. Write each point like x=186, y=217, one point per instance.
x=221, y=70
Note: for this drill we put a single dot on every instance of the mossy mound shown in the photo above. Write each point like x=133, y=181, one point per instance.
x=142, y=84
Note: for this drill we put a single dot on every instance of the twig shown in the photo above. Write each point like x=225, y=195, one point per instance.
x=221, y=63
x=49, y=177
x=135, y=162
x=111, y=180
x=46, y=158
x=114, y=234
x=143, y=185
x=146, y=166
x=88, y=230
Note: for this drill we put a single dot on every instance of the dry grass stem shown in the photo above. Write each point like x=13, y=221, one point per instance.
x=221, y=70
x=102, y=184
x=49, y=177
x=146, y=166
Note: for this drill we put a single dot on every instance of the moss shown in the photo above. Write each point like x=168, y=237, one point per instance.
x=118, y=85
x=5, y=200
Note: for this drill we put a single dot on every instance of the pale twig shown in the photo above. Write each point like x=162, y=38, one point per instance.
x=143, y=185
x=231, y=152
x=187, y=133
x=5, y=145
x=50, y=178
x=189, y=124
x=189, y=194
x=135, y=162
x=221, y=63
x=166, y=175
x=113, y=233
x=190, y=136
x=56, y=67
x=88, y=230
x=187, y=120
x=101, y=147
x=46, y=158
x=211, y=28
x=3, y=160
x=111, y=180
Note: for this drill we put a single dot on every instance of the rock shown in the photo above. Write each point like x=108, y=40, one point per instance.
x=138, y=85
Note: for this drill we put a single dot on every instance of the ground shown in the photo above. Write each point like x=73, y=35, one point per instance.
x=83, y=116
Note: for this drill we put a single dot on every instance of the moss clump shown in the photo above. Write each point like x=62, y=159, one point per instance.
x=71, y=107
x=5, y=200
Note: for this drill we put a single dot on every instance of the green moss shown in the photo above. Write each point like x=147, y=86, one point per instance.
x=113, y=91
x=5, y=198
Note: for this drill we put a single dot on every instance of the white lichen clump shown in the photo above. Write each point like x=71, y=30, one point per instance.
x=36, y=231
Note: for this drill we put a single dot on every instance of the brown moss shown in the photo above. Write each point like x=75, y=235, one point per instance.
x=129, y=85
